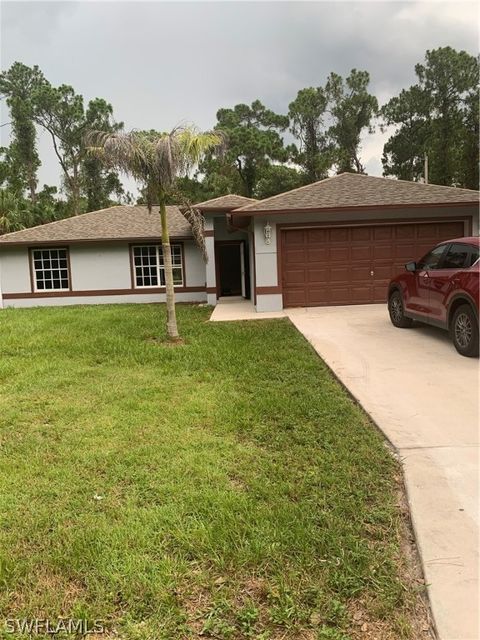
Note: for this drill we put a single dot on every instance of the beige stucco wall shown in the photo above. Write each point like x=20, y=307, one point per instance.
x=94, y=267
x=100, y=267
x=195, y=267
x=222, y=232
x=14, y=270
x=108, y=266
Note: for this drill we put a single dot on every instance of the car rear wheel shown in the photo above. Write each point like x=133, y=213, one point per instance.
x=396, y=311
x=464, y=331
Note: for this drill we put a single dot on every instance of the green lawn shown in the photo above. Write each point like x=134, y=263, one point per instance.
x=224, y=488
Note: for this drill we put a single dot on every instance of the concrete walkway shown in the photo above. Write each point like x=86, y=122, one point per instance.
x=240, y=309
x=425, y=398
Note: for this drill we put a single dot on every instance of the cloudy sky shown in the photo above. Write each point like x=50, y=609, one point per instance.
x=160, y=63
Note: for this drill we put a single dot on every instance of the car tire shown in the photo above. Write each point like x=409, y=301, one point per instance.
x=464, y=331
x=397, y=312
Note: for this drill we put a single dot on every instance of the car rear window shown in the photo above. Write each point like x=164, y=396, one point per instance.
x=474, y=254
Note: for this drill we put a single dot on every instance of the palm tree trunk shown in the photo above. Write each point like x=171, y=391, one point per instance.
x=172, y=330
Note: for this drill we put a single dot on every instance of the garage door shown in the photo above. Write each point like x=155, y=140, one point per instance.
x=352, y=265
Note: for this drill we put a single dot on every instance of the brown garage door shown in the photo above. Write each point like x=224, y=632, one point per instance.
x=352, y=265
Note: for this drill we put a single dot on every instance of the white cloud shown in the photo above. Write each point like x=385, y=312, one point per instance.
x=160, y=63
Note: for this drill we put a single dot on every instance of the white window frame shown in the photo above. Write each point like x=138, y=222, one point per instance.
x=36, y=271
x=160, y=269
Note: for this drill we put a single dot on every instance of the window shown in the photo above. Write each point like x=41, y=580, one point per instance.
x=456, y=256
x=50, y=269
x=432, y=259
x=474, y=254
x=150, y=269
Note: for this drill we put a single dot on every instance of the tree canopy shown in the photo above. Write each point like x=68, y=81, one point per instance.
x=254, y=135
x=267, y=151
x=328, y=123
x=437, y=117
x=34, y=103
x=308, y=116
x=17, y=86
x=352, y=110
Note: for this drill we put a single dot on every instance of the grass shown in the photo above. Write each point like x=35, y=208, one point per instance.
x=226, y=488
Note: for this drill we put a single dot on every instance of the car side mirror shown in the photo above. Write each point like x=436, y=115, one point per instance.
x=411, y=266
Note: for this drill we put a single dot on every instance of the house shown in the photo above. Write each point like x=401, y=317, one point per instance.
x=337, y=241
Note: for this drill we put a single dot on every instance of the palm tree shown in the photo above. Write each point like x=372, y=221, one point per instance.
x=157, y=160
x=16, y=213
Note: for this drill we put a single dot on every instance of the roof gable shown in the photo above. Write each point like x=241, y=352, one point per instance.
x=121, y=222
x=224, y=203
x=351, y=190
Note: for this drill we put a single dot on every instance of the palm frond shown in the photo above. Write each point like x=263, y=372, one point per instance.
x=195, y=144
x=123, y=151
x=196, y=220
x=157, y=159
x=151, y=155
x=168, y=159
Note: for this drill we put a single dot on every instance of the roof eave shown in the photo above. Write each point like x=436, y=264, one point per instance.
x=264, y=212
x=215, y=209
x=57, y=243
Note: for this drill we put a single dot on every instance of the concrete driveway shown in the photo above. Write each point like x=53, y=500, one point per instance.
x=424, y=397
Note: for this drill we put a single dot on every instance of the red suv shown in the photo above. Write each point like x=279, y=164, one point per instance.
x=441, y=289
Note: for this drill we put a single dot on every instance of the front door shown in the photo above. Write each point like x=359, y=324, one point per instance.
x=231, y=268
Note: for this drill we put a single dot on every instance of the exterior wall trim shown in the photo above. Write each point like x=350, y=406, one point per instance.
x=375, y=222
x=99, y=292
x=262, y=291
x=374, y=207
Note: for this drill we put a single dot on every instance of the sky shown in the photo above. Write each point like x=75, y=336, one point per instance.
x=161, y=63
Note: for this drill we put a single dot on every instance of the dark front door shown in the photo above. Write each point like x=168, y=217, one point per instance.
x=229, y=269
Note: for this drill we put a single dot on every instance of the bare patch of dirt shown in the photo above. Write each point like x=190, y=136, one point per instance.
x=237, y=484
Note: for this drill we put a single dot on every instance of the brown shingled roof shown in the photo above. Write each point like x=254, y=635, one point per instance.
x=224, y=203
x=122, y=222
x=351, y=190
